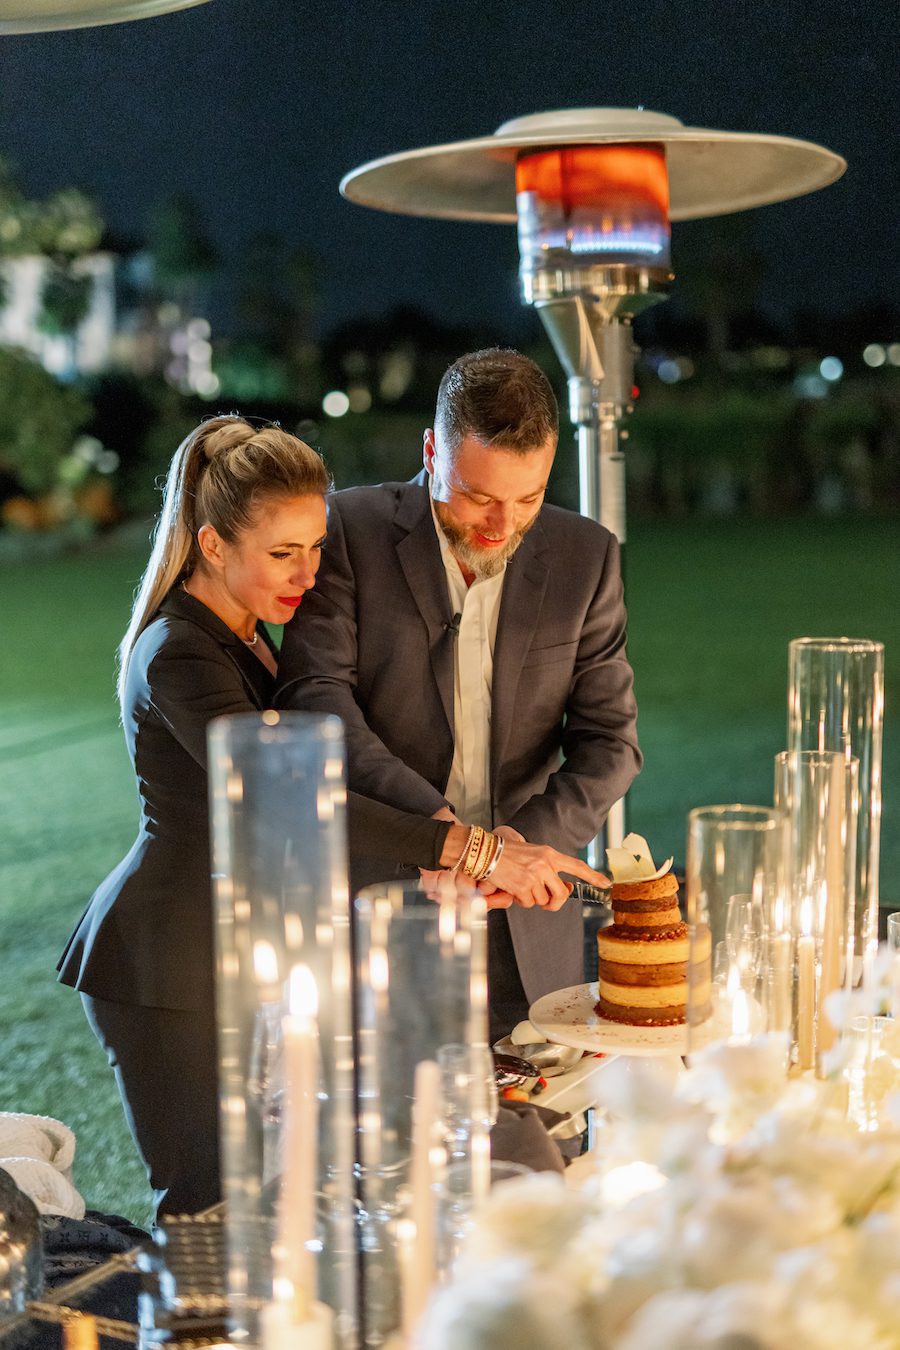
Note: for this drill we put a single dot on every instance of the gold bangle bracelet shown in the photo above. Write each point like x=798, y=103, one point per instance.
x=473, y=850
x=462, y=857
x=494, y=858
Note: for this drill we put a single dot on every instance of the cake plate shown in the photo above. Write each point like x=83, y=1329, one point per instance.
x=568, y=1017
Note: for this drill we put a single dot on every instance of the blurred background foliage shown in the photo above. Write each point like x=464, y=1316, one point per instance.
x=735, y=414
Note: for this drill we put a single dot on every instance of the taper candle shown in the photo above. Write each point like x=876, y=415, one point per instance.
x=420, y=1267
x=806, y=988
x=295, y=1273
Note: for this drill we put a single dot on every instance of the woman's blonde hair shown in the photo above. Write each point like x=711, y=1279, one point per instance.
x=218, y=476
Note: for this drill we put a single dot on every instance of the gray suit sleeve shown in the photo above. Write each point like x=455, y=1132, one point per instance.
x=599, y=744
x=317, y=672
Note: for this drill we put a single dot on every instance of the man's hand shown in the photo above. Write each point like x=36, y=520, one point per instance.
x=497, y=899
x=531, y=872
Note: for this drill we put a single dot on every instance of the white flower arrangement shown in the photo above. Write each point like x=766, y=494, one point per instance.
x=730, y=1209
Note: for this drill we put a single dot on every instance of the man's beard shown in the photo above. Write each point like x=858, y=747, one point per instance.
x=484, y=562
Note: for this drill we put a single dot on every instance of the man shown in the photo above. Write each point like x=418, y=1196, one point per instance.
x=471, y=638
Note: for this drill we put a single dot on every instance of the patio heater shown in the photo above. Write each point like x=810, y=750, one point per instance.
x=593, y=192
x=42, y=16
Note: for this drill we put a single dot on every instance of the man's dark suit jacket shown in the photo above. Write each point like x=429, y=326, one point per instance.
x=146, y=938
x=374, y=645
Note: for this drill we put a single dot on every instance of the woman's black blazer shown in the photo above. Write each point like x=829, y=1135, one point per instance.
x=146, y=937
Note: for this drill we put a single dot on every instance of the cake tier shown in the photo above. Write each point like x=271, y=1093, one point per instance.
x=622, y=906
x=659, y=888
x=644, y=995
x=649, y=1017
x=658, y=919
x=658, y=1005
x=642, y=1017
x=640, y=944
x=621, y=973
x=652, y=949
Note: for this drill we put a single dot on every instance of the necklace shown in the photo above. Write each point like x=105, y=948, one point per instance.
x=248, y=642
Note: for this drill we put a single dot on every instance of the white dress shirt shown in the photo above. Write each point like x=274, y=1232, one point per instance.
x=469, y=785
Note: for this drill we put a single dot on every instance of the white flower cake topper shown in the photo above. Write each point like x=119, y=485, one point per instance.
x=634, y=861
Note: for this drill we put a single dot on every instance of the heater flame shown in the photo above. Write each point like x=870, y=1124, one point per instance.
x=608, y=200
x=609, y=178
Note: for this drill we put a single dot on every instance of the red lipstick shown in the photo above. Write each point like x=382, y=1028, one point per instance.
x=292, y=601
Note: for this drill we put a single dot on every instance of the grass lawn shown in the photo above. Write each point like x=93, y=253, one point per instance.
x=712, y=608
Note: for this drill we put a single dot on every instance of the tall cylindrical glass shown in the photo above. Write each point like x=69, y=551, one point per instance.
x=836, y=702
x=420, y=996
x=893, y=942
x=737, y=901
x=819, y=792
x=283, y=1002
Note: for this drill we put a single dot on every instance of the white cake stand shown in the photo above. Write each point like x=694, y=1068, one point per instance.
x=568, y=1018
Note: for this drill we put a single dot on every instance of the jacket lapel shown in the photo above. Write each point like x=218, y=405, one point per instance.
x=419, y=555
x=520, y=610
x=258, y=682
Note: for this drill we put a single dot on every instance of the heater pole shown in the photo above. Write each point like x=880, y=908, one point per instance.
x=601, y=480
x=599, y=398
x=601, y=484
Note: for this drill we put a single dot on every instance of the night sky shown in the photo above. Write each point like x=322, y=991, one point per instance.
x=258, y=107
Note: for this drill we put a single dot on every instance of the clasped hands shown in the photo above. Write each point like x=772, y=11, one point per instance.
x=526, y=874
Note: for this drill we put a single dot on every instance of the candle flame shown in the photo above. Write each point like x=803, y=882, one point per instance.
x=379, y=970
x=265, y=962
x=740, y=1014
x=304, y=995
x=446, y=921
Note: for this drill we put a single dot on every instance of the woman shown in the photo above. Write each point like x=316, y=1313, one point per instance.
x=237, y=545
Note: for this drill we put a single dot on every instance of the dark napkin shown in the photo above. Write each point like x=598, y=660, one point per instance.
x=520, y=1136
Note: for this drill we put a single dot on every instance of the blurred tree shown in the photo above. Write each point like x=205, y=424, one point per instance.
x=39, y=420
x=67, y=226
x=18, y=216
x=65, y=300
x=183, y=254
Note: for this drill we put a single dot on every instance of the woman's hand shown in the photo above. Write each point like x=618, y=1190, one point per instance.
x=450, y=855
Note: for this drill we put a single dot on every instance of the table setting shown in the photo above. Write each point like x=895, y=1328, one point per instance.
x=733, y=1165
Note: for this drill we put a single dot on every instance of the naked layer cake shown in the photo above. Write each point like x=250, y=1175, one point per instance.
x=644, y=955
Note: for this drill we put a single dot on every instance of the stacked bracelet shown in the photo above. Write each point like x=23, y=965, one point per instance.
x=480, y=855
x=494, y=859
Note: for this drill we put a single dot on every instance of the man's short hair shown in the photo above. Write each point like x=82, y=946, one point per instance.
x=501, y=397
